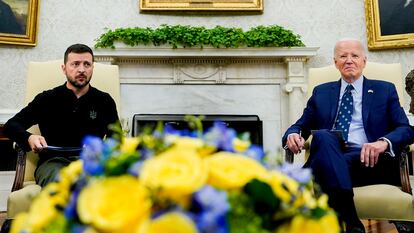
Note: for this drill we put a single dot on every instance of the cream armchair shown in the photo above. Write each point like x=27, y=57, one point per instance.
x=42, y=76
x=380, y=202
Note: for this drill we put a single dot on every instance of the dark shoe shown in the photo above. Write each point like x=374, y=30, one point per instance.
x=5, y=228
x=343, y=202
x=356, y=227
x=404, y=227
x=357, y=230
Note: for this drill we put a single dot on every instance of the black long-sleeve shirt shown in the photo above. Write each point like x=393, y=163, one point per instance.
x=63, y=119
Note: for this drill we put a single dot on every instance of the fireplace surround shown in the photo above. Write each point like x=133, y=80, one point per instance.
x=264, y=82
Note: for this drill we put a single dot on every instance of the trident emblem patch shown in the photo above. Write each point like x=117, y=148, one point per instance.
x=93, y=114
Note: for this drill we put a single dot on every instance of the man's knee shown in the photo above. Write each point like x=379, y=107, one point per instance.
x=325, y=150
x=48, y=171
x=46, y=174
x=324, y=137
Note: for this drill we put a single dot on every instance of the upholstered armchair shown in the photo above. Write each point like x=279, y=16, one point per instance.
x=42, y=76
x=380, y=202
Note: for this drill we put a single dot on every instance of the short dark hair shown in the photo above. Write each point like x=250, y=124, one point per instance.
x=77, y=48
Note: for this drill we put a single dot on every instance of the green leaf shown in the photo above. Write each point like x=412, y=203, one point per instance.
x=242, y=218
x=262, y=196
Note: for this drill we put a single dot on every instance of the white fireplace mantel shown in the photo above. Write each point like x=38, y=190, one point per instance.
x=269, y=82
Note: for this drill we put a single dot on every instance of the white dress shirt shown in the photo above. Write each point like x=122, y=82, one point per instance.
x=357, y=136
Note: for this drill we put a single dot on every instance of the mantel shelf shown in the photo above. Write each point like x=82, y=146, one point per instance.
x=167, y=52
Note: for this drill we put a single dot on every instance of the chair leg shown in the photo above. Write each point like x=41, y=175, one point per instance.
x=403, y=226
x=5, y=228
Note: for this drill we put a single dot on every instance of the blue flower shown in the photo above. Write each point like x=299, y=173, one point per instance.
x=109, y=146
x=135, y=168
x=210, y=207
x=70, y=209
x=302, y=175
x=145, y=153
x=77, y=228
x=91, y=154
x=169, y=129
x=255, y=152
x=95, y=153
x=220, y=136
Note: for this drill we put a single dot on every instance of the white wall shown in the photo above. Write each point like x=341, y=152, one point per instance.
x=6, y=182
x=61, y=23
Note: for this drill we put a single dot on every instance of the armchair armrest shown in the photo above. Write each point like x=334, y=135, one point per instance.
x=289, y=156
x=404, y=173
x=20, y=168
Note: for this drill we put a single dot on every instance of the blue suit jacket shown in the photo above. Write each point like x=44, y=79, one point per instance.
x=382, y=113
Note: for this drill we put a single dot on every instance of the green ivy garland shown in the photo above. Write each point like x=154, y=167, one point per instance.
x=189, y=36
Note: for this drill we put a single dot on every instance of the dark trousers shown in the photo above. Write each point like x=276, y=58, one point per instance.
x=336, y=167
x=47, y=171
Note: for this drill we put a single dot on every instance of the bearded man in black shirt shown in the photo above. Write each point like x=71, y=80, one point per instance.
x=65, y=115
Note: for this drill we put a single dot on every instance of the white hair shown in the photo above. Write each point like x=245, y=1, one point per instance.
x=349, y=39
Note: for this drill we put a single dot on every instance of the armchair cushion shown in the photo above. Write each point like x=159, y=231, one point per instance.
x=377, y=201
x=19, y=201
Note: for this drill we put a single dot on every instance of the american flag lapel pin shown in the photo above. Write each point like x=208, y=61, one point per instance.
x=370, y=91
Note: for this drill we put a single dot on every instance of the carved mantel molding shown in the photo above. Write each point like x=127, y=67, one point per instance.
x=161, y=52
x=208, y=62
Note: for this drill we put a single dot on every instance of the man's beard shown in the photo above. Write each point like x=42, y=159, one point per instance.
x=77, y=84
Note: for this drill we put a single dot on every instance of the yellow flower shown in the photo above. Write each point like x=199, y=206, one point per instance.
x=305, y=198
x=189, y=143
x=232, y=171
x=68, y=175
x=300, y=224
x=129, y=145
x=175, y=172
x=172, y=223
x=149, y=140
x=19, y=222
x=323, y=201
x=283, y=186
x=90, y=230
x=114, y=204
x=240, y=146
x=206, y=150
x=43, y=209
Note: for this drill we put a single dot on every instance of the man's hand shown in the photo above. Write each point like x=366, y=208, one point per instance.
x=370, y=152
x=37, y=143
x=295, y=143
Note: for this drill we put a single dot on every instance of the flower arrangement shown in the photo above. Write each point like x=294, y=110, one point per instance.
x=172, y=181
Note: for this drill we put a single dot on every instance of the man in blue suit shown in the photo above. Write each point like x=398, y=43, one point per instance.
x=374, y=131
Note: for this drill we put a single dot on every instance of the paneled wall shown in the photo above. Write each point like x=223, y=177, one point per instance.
x=61, y=23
